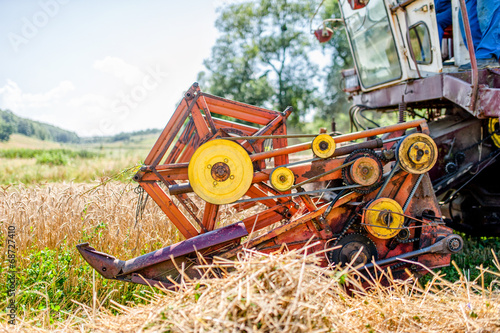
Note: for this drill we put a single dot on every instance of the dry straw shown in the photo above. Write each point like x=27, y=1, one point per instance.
x=288, y=293
x=259, y=293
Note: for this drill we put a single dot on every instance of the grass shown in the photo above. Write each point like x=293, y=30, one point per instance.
x=19, y=141
x=29, y=164
x=51, y=219
x=58, y=204
x=289, y=293
x=477, y=252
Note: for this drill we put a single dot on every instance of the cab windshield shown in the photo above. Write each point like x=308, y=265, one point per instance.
x=372, y=43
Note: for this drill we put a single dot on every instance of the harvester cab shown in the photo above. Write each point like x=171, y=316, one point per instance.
x=391, y=43
x=397, y=41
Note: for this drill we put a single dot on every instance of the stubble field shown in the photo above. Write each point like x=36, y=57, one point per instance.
x=57, y=291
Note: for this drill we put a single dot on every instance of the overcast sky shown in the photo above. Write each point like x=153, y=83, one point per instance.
x=102, y=67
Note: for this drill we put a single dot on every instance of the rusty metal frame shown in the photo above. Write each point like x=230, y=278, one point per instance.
x=302, y=218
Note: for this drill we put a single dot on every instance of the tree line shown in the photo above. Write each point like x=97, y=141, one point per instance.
x=11, y=123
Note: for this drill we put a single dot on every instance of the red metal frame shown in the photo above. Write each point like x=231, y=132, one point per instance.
x=192, y=124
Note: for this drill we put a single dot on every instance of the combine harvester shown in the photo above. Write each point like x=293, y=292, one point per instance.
x=365, y=197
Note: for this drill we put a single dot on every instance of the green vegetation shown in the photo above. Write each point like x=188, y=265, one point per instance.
x=50, y=273
x=36, y=153
x=120, y=137
x=29, y=160
x=477, y=252
x=11, y=123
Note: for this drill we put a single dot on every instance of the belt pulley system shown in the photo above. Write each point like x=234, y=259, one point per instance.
x=220, y=171
x=347, y=196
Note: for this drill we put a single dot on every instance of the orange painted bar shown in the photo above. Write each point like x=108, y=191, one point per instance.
x=302, y=172
x=339, y=139
x=262, y=220
x=378, y=131
x=221, y=123
x=239, y=110
x=170, y=209
x=254, y=192
x=168, y=174
x=180, y=114
x=210, y=216
x=199, y=122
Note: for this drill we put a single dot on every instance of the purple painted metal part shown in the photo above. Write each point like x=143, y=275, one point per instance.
x=110, y=267
x=107, y=265
x=203, y=241
x=137, y=278
x=443, y=89
x=488, y=103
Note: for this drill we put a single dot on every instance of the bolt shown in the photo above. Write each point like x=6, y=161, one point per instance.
x=215, y=183
x=225, y=160
x=282, y=178
x=386, y=217
x=209, y=166
x=232, y=177
x=323, y=145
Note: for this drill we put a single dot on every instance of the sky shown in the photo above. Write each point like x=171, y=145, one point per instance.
x=102, y=67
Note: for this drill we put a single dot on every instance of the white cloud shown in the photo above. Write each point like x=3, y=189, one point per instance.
x=119, y=68
x=90, y=104
x=15, y=99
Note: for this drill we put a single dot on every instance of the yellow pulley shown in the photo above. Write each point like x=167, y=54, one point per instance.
x=220, y=171
x=282, y=179
x=417, y=153
x=492, y=128
x=323, y=146
x=384, y=218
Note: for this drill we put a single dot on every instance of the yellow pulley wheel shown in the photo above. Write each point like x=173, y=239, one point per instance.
x=220, y=171
x=417, y=153
x=282, y=179
x=384, y=218
x=323, y=146
x=492, y=128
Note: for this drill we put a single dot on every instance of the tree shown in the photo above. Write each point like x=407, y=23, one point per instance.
x=262, y=56
x=5, y=130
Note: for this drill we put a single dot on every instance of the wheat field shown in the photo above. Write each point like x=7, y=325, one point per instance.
x=57, y=290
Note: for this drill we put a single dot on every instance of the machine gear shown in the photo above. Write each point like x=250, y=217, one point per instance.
x=366, y=170
x=417, y=153
x=282, y=179
x=384, y=218
x=323, y=146
x=350, y=246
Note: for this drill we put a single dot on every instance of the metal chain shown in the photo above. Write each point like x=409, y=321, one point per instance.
x=142, y=200
x=344, y=230
x=297, y=194
x=411, y=240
